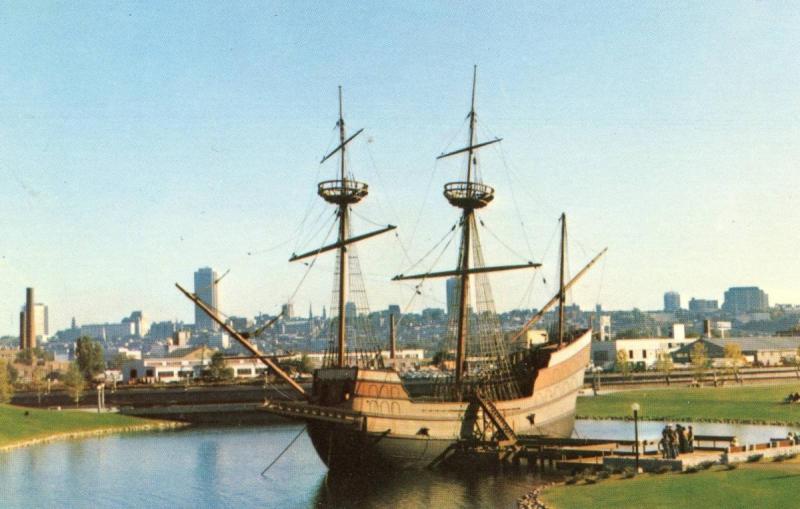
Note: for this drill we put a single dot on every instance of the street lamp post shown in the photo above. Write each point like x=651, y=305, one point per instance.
x=635, y=408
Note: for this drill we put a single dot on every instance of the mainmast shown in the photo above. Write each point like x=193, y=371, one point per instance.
x=468, y=195
x=466, y=226
x=561, y=296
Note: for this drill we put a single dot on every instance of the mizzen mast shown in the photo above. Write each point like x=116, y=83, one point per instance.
x=561, y=293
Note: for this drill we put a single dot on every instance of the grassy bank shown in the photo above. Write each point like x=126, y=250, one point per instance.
x=18, y=428
x=749, y=486
x=750, y=404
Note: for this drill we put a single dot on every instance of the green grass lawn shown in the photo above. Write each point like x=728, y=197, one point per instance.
x=750, y=486
x=15, y=426
x=756, y=404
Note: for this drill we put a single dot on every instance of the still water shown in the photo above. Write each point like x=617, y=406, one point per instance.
x=221, y=467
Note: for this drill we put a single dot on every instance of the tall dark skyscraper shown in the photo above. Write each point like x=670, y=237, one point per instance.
x=452, y=295
x=672, y=302
x=206, y=289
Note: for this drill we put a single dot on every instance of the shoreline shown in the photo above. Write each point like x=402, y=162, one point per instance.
x=754, y=422
x=90, y=433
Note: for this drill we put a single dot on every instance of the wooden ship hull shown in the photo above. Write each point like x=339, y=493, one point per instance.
x=380, y=425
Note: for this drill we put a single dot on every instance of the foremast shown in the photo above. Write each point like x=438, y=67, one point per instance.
x=343, y=230
x=342, y=192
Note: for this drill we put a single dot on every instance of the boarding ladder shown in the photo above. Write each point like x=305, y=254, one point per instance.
x=497, y=419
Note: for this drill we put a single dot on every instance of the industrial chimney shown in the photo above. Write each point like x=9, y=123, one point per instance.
x=30, y=320
x=22, y=331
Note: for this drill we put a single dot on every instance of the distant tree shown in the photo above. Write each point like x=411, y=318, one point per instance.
x=13, y=374
x=24, y=357
x=622, y=365
x=630, y=334
x=89, y=356
x=6, y=387
x=217, y=369
x=75, y=382
x=699, y=357
x=38, y=383
x=43, y=355
x=31, y=355
x=306, y=366
x=733, y=356
x=664, y=363
x=439, y=357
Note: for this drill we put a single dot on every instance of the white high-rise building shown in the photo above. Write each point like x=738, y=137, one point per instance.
x=42, y=321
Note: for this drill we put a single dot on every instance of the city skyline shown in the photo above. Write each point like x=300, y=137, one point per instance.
x=741, y=298
x=149, y=143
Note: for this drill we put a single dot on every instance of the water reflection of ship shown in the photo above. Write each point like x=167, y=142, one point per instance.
x=380, y=489
x=361, y=410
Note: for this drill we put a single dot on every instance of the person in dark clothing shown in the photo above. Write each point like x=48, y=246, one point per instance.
x=675, y=443
x=690, y=439
x=664, y=443
x=682, y=445
x=672, y=438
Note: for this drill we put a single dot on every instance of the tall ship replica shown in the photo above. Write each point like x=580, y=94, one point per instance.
x=362, y=412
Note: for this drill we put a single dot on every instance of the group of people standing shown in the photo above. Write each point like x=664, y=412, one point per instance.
x=676, y=441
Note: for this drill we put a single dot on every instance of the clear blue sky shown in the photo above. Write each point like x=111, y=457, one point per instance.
x=139, y=141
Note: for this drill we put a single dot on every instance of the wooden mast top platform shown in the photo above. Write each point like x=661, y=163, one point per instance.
x=468, y=195
x=342, y=192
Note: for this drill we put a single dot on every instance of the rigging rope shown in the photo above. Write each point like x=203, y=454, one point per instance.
x=388, y=203
x=418, y=286
x=431, y=250
x=310, y=264
x=509, y=173
x=602, y=278
x=309, y=206
x=365, y=218
x=272, y=248
x=432, y=172
x=304, y=242
x=283, y=451
x=498, y=239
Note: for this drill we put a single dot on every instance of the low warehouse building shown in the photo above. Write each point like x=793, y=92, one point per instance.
x=766, y=351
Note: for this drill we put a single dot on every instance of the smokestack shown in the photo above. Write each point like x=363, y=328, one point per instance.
x=707, y=328
x=22, y=331
x=30, y=320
